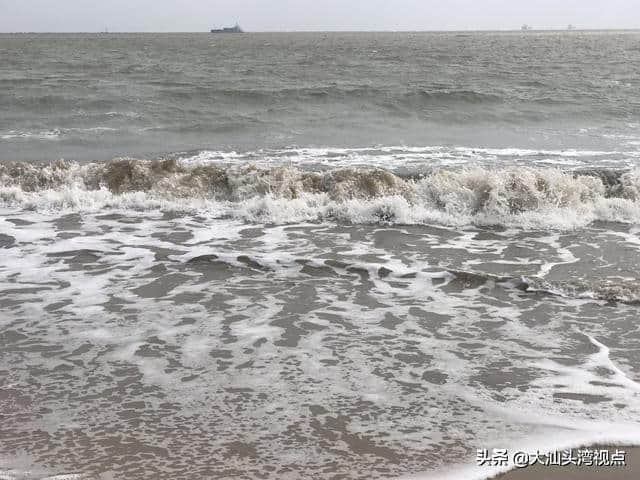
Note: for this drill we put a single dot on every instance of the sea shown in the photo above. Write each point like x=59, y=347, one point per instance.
x=316, y=255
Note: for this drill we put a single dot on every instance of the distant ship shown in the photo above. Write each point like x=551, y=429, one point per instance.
x=235, y=29
x=571, y=27
x=525, y=27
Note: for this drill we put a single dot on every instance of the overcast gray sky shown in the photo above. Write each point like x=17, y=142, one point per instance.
x=269, y=15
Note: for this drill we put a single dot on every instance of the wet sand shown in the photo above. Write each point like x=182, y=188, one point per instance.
x=631, y=471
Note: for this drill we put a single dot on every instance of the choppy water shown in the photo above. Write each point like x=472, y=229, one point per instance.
x=315, y=255
x=92, y=97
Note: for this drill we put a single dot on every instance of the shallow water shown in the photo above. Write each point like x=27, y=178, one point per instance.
x=152, y=344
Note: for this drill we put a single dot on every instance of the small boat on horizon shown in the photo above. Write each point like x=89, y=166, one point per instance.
x=235, y=29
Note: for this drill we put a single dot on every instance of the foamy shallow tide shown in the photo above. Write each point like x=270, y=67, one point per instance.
x=146, y=343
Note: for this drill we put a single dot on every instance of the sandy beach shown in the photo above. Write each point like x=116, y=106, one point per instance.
x=630, y=471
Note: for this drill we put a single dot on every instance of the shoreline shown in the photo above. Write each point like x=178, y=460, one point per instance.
x=630, y=471
x=472, y=471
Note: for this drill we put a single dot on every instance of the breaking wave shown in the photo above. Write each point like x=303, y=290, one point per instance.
x=526, y=197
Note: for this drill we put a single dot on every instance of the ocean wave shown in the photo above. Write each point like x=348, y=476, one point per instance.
x=322, y=93
x=516, y=196
x=610, y=290
x=398, y=156
x=54, y=134
x=43, y=135
x=607, y=290
x=445, y=97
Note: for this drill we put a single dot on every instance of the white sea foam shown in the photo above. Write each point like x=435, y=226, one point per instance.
x=560, y=431
x=408, y=157
x=318, y=207
x=578, y=434
x=294, y=315
x=123, y=114
x=43, y=135
x=531, y=198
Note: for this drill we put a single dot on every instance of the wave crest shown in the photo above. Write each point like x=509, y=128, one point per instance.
x=522, y=196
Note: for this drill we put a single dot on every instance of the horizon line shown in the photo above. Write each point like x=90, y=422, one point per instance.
x=469, y=30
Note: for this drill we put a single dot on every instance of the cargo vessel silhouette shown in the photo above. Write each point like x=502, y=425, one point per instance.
x=235, y=29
